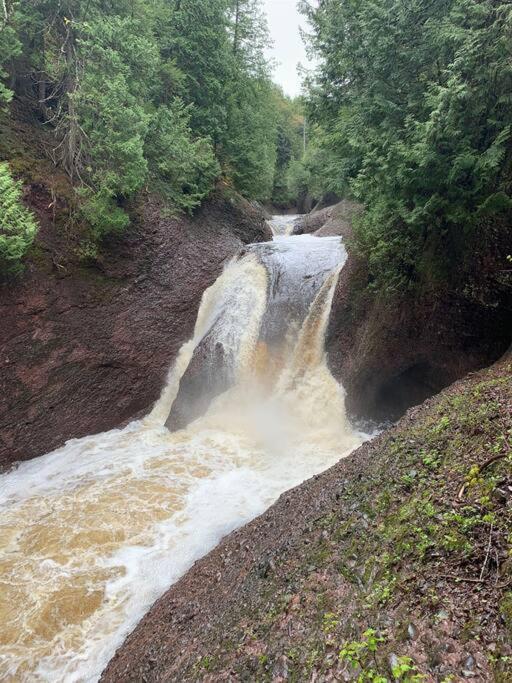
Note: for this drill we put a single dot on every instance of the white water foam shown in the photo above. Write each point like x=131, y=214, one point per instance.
x=93, y=533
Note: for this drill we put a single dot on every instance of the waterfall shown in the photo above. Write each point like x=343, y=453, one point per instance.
x=93, y=533
x=229, y=315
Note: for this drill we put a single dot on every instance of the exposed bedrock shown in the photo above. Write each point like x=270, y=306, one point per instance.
x=392, y=357
x=85, y=349
x=329, y=220
x=392, y=354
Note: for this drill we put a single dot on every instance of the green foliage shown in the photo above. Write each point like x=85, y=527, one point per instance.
x=251, y=148
x=362, y=656
x=290, y=148
x=146, y=94
x=198, y=40
x=17, y=224
x=298, y=178
x=413, y=105
x=330, y=622
x=184, y=169
x=10, y=46
x=111, y=110
x=102, y=214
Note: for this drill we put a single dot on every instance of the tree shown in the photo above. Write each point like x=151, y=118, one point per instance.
x=413, y=100
x=183, y=168
x=17, y=224
x=10, y=46
x=146, y=94
x=198, y=41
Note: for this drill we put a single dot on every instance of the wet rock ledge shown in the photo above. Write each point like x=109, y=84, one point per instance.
x=85, y=349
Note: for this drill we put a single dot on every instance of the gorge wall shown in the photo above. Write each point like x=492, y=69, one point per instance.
x=393, y=352
x=85, y=349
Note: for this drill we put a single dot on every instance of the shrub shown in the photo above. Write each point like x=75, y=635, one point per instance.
x=101, y=212
x=18, y=226
x=183, y=169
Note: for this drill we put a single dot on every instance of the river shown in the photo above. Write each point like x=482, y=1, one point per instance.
x=93, y=533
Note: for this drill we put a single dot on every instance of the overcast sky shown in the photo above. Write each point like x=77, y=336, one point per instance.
x=284, y=21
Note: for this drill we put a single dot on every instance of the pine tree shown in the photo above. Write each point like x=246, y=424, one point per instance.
x=413, y=102
x=17, y=224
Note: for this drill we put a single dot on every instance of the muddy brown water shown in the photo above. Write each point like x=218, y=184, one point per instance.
x=85, y=549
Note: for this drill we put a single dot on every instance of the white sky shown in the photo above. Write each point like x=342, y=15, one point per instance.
x=288, y=50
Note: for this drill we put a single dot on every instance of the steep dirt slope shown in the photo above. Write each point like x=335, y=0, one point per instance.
x=85, y=348
x=393, y=563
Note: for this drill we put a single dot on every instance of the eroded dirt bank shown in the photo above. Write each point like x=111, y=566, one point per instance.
x=87, y=348
x=408, y=537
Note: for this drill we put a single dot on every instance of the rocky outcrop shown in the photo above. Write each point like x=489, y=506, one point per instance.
x=85, y=349
x=310, y=222
x=328, y=221
x=390, y=539
x=391, y=355
x=392, y=352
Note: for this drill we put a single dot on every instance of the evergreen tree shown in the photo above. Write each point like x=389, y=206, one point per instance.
x=10, y=46
x=17, y=224
x=199, y=43
x=413, y=100
x=156, y=94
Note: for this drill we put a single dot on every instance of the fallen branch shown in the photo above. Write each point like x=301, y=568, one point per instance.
x=467, y=579
x=492, y=460
x=487, y=553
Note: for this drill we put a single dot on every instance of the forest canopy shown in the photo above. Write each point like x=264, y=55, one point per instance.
x=158, y=94
x=411, y=114
x=409, y=111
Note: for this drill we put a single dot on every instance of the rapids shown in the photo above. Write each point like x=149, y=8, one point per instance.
x=93, y=533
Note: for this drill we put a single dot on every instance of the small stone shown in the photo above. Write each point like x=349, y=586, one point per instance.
x=442, y=615
x=413, y=474
x=280, y=669
x=468, y=674
x=411, y=631
x=393, y=661
x=469, y=664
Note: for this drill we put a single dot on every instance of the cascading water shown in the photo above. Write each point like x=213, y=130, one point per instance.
x=93, y=533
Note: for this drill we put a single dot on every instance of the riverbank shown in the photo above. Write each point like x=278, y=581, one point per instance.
x=397, y=558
